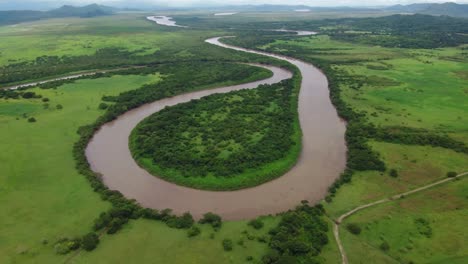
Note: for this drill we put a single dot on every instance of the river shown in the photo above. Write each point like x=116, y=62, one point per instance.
x=321, y=161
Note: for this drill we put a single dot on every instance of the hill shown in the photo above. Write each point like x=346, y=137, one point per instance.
x=18, y=16
x=445, y=9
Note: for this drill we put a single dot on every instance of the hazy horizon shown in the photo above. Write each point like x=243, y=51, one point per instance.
x=38, y=4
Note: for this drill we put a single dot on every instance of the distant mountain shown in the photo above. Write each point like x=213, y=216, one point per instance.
x=284, y=8
x=445, y=9
x=18, y=16
x=85, y=11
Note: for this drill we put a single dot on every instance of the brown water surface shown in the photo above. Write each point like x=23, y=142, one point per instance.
x=321, y=161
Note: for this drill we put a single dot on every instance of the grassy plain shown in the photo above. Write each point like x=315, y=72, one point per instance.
x=43, y=197
x=173, y=246
x=415, y=88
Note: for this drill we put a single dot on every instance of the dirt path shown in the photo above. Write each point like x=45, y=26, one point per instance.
x=339, y=220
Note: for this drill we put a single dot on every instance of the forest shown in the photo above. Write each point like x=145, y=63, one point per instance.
x=220, y=135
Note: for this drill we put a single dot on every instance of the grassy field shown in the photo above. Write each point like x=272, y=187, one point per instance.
x=416, y=88
x=173, y=246
x=75, y=36
x=43, y=197
x=438, y=238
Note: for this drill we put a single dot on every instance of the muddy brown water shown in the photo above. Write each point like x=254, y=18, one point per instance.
x=321, y=161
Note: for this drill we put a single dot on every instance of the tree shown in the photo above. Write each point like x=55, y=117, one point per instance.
x=451, y=174
x=213, y=219
x=90, y=241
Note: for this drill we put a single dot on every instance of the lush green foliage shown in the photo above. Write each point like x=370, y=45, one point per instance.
x=220, y=135
x=299, y=237
x=89, y=241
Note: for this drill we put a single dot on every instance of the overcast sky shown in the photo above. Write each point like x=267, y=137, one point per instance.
x=219, y=2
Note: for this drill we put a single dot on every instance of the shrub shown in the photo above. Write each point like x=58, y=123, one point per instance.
x=59, y=107
x=194, y=231
x=451, y=174
x=45, y=99
x=65, y=245
x=256, y=223
x=213, y=219
x=103, y=106
x=227, y=244
x=353, y=228
x=31, y=120
x=249, y=258
x=384, y=246
x=393, y=173
x=90, y=241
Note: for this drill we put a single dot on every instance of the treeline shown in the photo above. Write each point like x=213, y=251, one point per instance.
x=17, y=94
x=112, y=58
x=299, y=237
x=401, y=31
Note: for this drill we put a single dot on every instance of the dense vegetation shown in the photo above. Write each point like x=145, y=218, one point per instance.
x=220, y=135
x=402, y=31
x=299, y=237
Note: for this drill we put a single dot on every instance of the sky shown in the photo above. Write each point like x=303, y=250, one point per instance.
x=178, y=3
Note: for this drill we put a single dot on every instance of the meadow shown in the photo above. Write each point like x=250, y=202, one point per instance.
x=44, y=198
x=420, y=89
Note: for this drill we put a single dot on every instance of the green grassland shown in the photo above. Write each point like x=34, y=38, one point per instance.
x=43, y=197
x=156, y=243
x=416, y=88
x=441, y=239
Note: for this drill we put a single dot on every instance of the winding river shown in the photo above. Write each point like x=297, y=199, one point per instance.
x=321, y=161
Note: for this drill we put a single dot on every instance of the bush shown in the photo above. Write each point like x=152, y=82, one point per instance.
x=384, y=246
x=194, y=231
x=31, y=120
x=90, y=241
x=103, y=106
x=45, y=99
x=59, y=107
x=227, y=244
x=393, y=173
x=451, y=174
x=353, y=228
x=213, y=219
x=65, y=245
x=256, y=223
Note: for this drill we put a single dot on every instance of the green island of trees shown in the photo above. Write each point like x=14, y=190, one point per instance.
x=223, y=141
